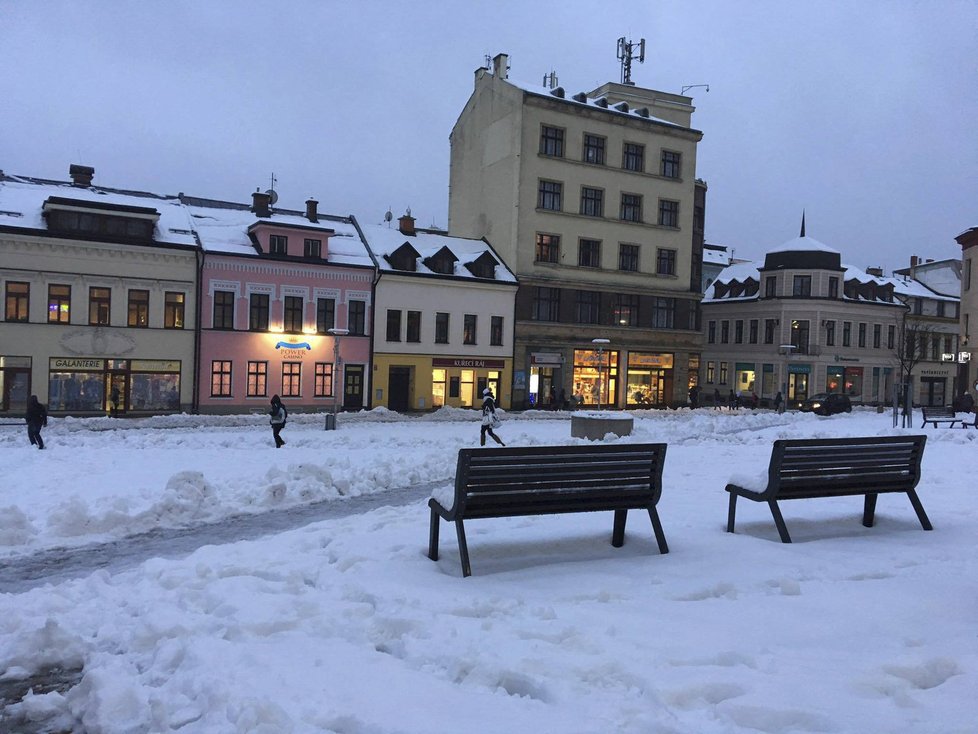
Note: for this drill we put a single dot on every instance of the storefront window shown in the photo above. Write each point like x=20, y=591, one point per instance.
x=75, y=391
x=745, y=377
x=467, y=388
x=648, y=379
x=587, y=374
x=854, y=382
x=155, y=392
x=437, y=388
x=767, y=381
x=833, y=379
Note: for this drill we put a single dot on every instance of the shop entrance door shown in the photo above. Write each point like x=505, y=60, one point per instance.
x=116, y=393
x=16, y=388
x=934, y=391
x=353, y=387
x=398, y=388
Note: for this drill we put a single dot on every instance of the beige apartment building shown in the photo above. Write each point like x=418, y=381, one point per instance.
x=592, y=200
x=969, y=309
x=803, y=323
x=99, y=291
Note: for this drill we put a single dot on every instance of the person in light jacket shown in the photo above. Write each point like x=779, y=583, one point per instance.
x=488, y=418
x=278, y=415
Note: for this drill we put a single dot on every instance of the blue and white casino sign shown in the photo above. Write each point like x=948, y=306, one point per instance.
x=293, y=350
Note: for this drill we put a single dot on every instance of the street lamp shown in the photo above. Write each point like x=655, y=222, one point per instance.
x=337, y=367
x=600, y=345
x=788, y=349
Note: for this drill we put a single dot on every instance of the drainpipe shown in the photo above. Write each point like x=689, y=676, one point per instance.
x=373, y=305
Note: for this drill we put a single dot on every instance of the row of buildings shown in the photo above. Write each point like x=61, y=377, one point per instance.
x=574, y=261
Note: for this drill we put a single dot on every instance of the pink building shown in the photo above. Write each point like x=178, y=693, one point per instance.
x=285, y=303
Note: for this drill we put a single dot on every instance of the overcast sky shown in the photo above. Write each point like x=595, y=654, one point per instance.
x=864, y=113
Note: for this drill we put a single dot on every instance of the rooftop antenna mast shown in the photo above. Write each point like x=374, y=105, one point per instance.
x=550, y=80
x=626, y=52
x=272, y=193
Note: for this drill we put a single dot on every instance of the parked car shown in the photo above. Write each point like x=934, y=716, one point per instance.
x=828, y=403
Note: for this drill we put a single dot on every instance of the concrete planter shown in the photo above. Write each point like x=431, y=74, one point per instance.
x=595, y=426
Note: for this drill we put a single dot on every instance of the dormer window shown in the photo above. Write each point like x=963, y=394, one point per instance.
x=97, y=219
x=312, y=248
x=483, y=266
x=404, y=258
x=802, y=286
x=833, y=287
x=278, y=244
x=442, y=262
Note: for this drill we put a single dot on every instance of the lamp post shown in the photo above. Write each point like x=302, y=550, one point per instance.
x=337, y=334
x=787, y=349
x=599, y=343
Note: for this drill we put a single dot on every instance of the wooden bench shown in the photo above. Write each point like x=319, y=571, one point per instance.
x=545, y=480
x=834, y=467
x=940, y=415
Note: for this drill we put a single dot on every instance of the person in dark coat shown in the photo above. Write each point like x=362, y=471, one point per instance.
x=967, y=403
x=36, y=417
x=562, y=399
x=278, y=415
x=488, y=418
x=694, y=396
x=778, y=400
x=717, y=402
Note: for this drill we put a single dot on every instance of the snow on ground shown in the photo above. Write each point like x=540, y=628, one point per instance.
x=346, y=626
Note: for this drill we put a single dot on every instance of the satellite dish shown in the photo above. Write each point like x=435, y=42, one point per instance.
x=272, y=196
x=388, y=216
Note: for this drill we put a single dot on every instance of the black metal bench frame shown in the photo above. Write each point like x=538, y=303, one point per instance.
x=940, y=415
x=546, y=480
x=834, y=467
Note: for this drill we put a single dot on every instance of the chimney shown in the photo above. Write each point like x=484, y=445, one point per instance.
x=914, y=262
x=500, y=65
x=311, y=214
x=876, y=272
x=81, y=175
x=405, y=224
x=260, y=203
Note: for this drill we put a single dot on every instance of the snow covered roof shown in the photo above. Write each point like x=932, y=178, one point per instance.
x=22, y=201
x=716, y=257
x=598, y=103
x=384, y=241
x=803, y=244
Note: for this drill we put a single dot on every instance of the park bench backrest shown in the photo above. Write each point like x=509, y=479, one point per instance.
x=939, y=412
x=823, y=467
x=547, y=479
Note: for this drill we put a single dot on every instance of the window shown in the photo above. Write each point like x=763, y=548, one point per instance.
x=723, y=373
x=552, y=141
x=724, y=332
x=589, y=254
x=546, y=304
x=862, y=335
x=668, y=213
x=738, y=331
x=877, y=335
x=221, y=378
x=548, y=248
x=549, y=195
x=278, y=244
x=325, y=314
x=799, y=335
x=847, y=333
x=441, y=328
x=631, y=208
x=711, y=332
x=173, y=306
x=626, y=310
x=593, y=149
x=291, y=379
x=312, y=248
x=496, y=331
x=588, y=307
x=257, y=379
x=801, y=285
x=468, y=328
x=935, y=348
x=711, y=369
x=18, y=299
x=752, y=332
x=357, y=317
x=628, y=257
x=393, y=325
x=833, y=287
x=672, y=164
x=770, y=286
x=592, y=202
x=940, y=308
x=99, y=306
x=323, y=387
x=891, y=336
x=918, y=307
x=139, y=309
x=664, y=313
x=633, y=157
x=59, y=304
x=293, y=314
x=258, y=312
x=769, y=327
x=830, y=333
x=414, y=326
x=967, y=274
x=666, y=262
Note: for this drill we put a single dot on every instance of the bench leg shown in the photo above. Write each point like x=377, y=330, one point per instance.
x=433, y=536
x=779, y=521
x=618, y=533
x=660, y=537
x=731, y=512
x=919, y=509
x=463, y=548
x=869, y=509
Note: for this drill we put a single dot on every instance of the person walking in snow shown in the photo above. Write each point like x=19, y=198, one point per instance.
x=717, y=402
x=778, y=400
x=489, y=418
x=278, y=415
x=36, y=417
